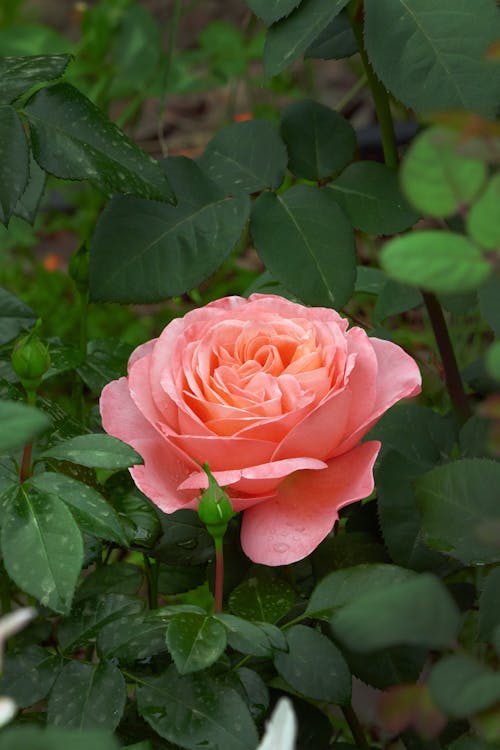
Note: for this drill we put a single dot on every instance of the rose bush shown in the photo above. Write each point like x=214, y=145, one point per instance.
x=276, y=398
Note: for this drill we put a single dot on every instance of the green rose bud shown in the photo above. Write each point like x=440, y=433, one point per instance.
x=79, y=265
x=30, y=360
x=214, y=507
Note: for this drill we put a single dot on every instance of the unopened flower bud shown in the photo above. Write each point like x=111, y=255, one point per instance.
x=30, y=361
x=79, y=265
x=214, y=507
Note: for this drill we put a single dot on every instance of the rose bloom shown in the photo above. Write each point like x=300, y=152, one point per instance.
x=276, y=398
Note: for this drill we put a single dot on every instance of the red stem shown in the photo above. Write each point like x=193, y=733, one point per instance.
x=25, y=471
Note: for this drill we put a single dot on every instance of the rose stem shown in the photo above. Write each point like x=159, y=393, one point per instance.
x=453, y=380
x=219, y=574
x=25, y=470
x=355, y=727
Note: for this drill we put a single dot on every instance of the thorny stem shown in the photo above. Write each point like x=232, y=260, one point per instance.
x=355, y=727
x=453, y=380
x=172, y=37
x=219, y=575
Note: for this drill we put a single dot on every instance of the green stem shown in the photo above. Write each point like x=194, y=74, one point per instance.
x=349, y=95
x=454, y=384
x=152, y=571
x=26, y=468
x=355, y=727
x=171, y=43
x=379, y=93
x=219, y=574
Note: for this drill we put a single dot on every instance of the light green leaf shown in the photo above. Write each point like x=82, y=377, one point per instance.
x=483, y=219
x=439, y=261
x=462, y=687
x=19, y=424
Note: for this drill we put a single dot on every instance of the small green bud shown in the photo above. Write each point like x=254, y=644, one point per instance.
x=30, y=360
x=214, y=507
x=79, y=266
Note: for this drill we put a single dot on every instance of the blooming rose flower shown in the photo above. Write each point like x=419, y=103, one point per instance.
x=276, y=398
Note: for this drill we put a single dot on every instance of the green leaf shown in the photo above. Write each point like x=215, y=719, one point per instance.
x=19, y=424
x=193, y=710
x=442, y=262
x=27, y=205
x=102, y=451
x=137, y=514
x=493, y=360
x=18, y=74
x=245, y=157
x=314, y=666
x=395, y=299
x=289, y=38
x=368, y=192
x=345, y=586
x=462, y=687
x=272, y=11
x=90, y=510
x=394, y=616
x=132, y=637
x=432, y=56
x=264, y=599
x=489, y=294
x=437, y=179
x=460, y=507
x=136, y=51
x=256, y=692
x=41, y=523
x=390, y=666
x=87, y=696
x=245, y=637
x=483, y=220
x=307, y=243
x=89, y=616
x=54, y=738
x=334, y=42
x=73, y=139
x=195, y=641
x=489, y=605
x=118, y=578
x=145, y=251
x=14, y=161
x=15, y=316
x=370, y=280
x=320, y=142
x=28, y=675
x=106, y=360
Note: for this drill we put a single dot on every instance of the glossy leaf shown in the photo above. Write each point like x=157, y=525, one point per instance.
x=483, y=220
x=195, y=641
x=19, y=424
x=87, y=696
x=118, y=578
x=41, y=523
x=192, y=710
x=262, y=599
x=460, y=508
x=461, y=686
x=314, y=666
x=106, y=360
x=73, y=139
x=91, y=511
x=101, y=451
x=368, y=192
x=27, y=205
x=19, y=74
x=272, y=11
x=335, y=41
x=244, y=636
x=28, y=675
x=89, y=616
x=320, y=142
x=344, y=586
x=442, y=262
x=289, y=38
x=437, y=179
x=145, y=251
x=245, y=157
x=14, y=161
x=132, y=637
x=307, y=243
x=15, y=316
x=394, y=299
x=395, y=616
x=442, y=44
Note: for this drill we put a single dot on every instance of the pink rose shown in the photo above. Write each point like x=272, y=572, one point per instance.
x=276, y=398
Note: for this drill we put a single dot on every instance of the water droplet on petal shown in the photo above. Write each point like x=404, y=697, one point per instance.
x=281, y=547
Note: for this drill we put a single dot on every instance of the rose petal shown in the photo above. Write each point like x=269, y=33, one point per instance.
x=305, y=508
x=140, y=392
x=143, y=350
x=222, y=453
